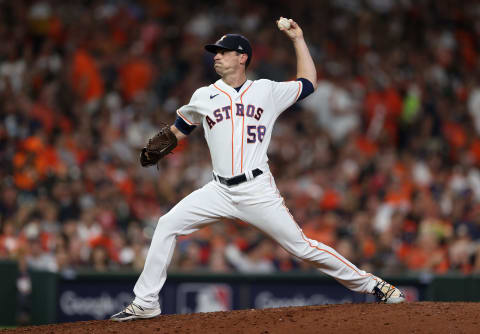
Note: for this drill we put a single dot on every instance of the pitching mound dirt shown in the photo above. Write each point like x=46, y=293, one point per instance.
x=425, y=317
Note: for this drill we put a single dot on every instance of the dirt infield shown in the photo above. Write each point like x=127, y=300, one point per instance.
x=425, y=317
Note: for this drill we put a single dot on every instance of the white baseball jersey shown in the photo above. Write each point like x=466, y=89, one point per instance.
x=238, y=125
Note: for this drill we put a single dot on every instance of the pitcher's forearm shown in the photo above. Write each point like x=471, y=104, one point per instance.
x=177, y=133
x=305, y=65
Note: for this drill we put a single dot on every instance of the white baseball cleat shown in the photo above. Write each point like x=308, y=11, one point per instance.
x=387, y=293
x=134, y=311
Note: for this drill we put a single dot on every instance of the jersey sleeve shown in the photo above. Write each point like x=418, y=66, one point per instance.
x=285, y=94
x=190, y=112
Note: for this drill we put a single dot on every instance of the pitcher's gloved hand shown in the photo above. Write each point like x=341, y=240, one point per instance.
x=159, y=146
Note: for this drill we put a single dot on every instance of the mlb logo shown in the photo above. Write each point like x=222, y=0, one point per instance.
x=197, y=297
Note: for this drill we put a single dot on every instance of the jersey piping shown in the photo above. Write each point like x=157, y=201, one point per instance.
x=185, y=118
x=299, y=90
x=243, y=127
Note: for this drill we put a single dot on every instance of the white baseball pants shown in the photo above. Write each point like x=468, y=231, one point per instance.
x=257, y=202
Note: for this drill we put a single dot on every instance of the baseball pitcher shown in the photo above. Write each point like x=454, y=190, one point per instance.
x=237, y=116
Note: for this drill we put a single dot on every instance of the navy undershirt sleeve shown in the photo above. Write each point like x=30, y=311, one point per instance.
x=307, y=88
x=183, y=126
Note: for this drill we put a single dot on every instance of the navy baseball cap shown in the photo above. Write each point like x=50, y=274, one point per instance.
x=233, y=42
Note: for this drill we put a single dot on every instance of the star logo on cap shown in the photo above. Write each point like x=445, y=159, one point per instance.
x=240, y=47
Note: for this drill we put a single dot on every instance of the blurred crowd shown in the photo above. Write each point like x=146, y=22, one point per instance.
x=381, y=162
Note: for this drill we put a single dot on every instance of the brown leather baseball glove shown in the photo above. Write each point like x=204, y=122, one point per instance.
x=159, y=146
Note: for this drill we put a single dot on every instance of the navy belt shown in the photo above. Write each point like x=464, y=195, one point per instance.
x=233, y=181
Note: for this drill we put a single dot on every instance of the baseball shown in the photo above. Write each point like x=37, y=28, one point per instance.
x=283, y=23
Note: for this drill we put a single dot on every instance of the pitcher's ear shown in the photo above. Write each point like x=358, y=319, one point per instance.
x=244, y=58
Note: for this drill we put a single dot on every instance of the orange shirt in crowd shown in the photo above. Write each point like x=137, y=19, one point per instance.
x=368, y=248
x=135, y=77
x=417, y=258
x=331, y=200
x=455, y=134
x=366, y=146
x=400, y=195
x=86, y=79
x=388, y=100
x=324, y=233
